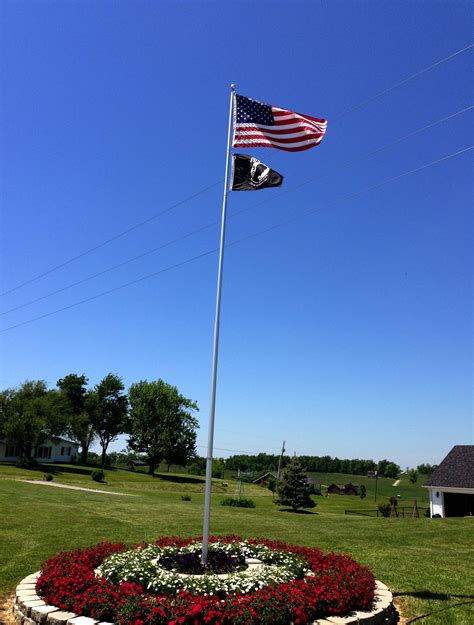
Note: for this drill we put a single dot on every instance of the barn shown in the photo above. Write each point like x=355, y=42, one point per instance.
x=343, y=489
x=451, y=485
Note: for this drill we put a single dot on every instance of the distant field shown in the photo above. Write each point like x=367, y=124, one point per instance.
x=408, y=492
x=426, y=563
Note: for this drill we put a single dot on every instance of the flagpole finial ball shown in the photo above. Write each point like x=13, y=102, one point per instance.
x=232, y=87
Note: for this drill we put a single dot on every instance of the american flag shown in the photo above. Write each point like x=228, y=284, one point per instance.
x=260, y=125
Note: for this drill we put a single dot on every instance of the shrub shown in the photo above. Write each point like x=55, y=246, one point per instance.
x=185, y=498
x=98, y=475
x=363, y=492
x=26, y=463
x=235, y=502
x=48, y=477
x=272, y=483
x=384, y=509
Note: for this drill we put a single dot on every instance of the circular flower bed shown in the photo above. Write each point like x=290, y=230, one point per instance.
x=246, y=582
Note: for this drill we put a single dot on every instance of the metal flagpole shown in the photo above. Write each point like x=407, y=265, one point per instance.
x=210, y=437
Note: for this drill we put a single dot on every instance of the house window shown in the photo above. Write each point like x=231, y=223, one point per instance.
x=68, y=451
x=44, y=452
x=62, y=451
x=12, y=451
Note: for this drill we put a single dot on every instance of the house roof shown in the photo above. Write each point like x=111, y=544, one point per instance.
x=60, y=439
x=456, y=470
x=53, y=439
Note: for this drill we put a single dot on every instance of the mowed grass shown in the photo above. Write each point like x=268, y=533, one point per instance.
x=427, y=563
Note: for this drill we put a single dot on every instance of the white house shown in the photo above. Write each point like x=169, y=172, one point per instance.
x=451, y=485
x=54, y=449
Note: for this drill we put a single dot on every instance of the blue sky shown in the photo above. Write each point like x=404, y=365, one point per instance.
x=347, y=332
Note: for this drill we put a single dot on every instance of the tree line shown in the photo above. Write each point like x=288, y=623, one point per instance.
x=158, y=419
x=322, y=464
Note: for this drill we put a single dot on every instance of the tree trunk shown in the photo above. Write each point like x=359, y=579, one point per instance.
x=84, y=452
x=104, y=451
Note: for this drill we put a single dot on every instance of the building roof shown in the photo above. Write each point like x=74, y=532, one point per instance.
x=264, y=476
x=456, y=470
x=53, y=439
x=56, y=439
x=312, y=480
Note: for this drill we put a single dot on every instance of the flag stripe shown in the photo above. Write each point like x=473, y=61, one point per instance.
x=278, y=111
x=288, y=138
x=302, y=145
x=291, y=132
x=281, y=128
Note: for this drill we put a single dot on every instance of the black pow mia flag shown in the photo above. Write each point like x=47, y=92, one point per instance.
x=250, y=174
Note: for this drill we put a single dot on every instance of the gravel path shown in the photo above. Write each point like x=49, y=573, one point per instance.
x=396, y=483
x=88, y=490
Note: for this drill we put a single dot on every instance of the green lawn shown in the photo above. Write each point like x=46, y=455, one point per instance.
x=426, y=563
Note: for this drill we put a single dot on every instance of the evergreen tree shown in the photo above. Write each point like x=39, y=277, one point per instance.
x=293, y=488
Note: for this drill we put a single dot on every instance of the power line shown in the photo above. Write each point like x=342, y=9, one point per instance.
x=111, y=239
x=157, y=215
x=236, y=213
x=241, y=240
x=237, y=451
x=402, y=82
x=104, y=271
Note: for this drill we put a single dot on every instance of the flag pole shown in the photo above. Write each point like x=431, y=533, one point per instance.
x=210, y=436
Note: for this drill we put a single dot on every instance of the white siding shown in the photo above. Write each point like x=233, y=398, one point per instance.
x=436, y=502
x=61, y=451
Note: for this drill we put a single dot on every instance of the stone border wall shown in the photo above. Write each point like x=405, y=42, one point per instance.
x=29, y=609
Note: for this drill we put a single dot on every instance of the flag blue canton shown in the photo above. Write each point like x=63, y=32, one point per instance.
x=253, y=112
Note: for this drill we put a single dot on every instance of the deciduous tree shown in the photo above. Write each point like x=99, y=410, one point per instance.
x=31, y=414
x=108, y=406
x=161, y=424
x=80, y=407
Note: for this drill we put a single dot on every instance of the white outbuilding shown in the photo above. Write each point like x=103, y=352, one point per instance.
x=451, y=485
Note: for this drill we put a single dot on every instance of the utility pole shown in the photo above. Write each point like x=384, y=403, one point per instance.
x=279, y=469
x=279, y=461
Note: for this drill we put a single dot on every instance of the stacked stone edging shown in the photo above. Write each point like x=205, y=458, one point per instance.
x=29, y=609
